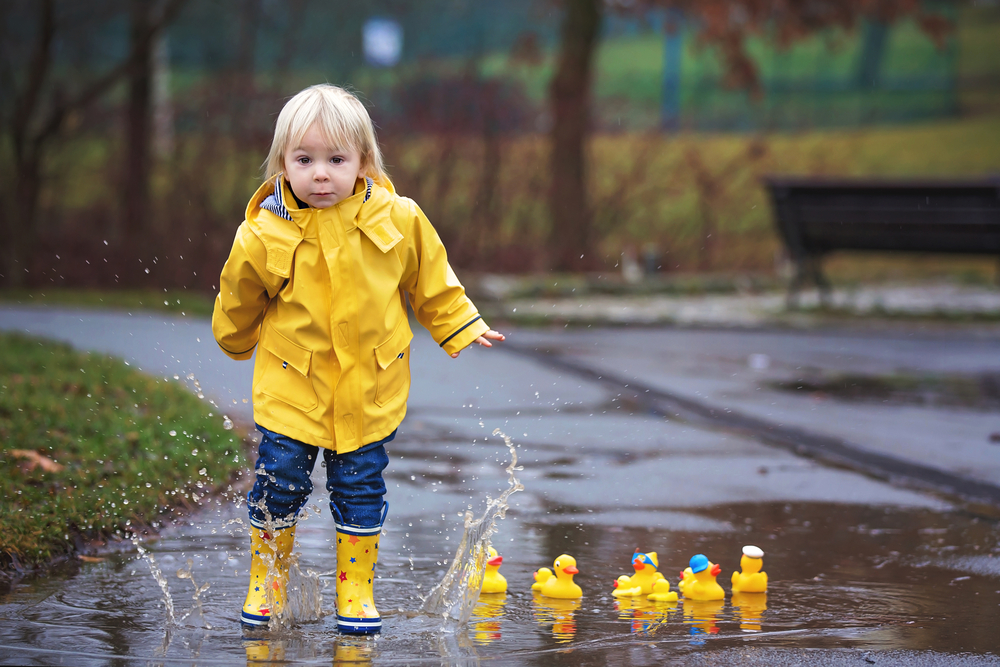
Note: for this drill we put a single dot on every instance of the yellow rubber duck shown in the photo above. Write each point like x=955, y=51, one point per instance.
x=560, y=584
x=541, y=575
x=751, y=579
x=661, y=592
x=704, y=586
x=640, y=583
x=493, y=581
x=687, y=579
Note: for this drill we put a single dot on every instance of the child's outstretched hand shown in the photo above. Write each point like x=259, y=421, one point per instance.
x=485, y=339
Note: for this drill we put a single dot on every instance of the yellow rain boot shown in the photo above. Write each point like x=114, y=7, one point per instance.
x=357, y=552
x=266, y=598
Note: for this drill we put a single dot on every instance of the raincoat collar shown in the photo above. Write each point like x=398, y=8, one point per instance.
x=368, y=208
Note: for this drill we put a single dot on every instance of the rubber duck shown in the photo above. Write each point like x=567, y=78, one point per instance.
x=751, y=579
x=640, y=583
x=493, y=581
x=687, y=579
x=704, y=586
x=558, y=582
x=541, y=575
x=661, y=592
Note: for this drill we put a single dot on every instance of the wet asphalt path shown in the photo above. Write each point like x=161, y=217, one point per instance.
x=859, y=564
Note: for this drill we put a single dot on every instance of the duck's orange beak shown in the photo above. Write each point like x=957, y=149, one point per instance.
x=682, y=575
x=495, y=561
x=716, y=569
x=571, y=570
x=638, y=565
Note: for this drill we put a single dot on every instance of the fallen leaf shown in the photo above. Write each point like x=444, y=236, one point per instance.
x=90, y=559
x=36, y=460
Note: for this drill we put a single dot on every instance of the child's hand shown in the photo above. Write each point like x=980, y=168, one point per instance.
x=485, y=339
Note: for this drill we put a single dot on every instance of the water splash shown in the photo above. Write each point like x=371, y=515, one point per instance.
x=197, y=385
x=303, y=590
x=195, y=610
x=161, y=580
x=455, y=597
x=227, y=423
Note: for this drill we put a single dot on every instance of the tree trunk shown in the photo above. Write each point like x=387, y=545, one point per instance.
x=570, y=236
x=139, y=116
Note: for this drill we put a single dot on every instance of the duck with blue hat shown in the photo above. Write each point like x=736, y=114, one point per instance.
x=698, y=580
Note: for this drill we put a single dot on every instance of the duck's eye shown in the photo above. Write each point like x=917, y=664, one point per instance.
x=558, y=564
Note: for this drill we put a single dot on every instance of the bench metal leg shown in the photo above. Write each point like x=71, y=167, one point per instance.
x=809, y=269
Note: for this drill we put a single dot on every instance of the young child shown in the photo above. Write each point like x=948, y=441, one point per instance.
x=317, y=283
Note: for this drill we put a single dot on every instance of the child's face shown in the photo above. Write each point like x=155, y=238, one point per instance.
x=319, y=174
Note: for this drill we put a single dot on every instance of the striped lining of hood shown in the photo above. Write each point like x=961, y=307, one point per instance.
x=275, y=202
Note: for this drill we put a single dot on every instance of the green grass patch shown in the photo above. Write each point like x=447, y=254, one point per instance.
x=181, y=302
x=90, y=447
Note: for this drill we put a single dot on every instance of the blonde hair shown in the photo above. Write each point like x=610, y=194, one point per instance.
x=341, y=119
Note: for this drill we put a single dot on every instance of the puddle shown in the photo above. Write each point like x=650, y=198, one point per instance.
x=977, y=392
x=912, y=577
x=841, y=576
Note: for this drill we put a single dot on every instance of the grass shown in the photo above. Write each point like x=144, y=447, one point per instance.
x=173, y=301
x=90, y=447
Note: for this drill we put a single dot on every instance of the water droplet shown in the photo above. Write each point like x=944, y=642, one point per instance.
x=166, y=303
x=147, y=270
x=173, y=433
x=227, y=423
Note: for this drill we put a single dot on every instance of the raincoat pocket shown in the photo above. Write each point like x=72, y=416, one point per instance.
x=393, y=372
x=286, y=371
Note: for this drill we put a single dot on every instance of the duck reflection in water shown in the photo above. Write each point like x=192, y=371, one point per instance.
x=487, y=617
x=645, y=615
x=264, y=651
x=750, y=608
x=701, y=616
x=353, y=650
x=557, y=612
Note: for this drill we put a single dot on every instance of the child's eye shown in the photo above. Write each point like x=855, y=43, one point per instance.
x=337, y=160
x=303, y=160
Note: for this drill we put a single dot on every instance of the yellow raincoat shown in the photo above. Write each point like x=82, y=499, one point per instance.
x=322, y=291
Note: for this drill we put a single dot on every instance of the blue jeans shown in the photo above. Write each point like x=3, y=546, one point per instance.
x=354, y=481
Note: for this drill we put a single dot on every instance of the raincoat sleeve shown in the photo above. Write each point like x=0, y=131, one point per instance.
x=437, y=297
x=245, y=289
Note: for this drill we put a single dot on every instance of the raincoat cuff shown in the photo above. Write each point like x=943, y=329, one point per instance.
x=239, y=356
x=464, y=336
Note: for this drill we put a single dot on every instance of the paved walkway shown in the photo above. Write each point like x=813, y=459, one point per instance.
x=562, y=418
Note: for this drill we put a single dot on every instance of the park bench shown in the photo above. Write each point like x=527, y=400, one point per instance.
x=817, y=216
